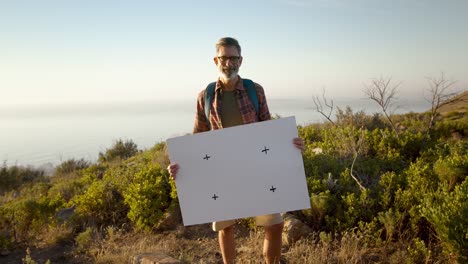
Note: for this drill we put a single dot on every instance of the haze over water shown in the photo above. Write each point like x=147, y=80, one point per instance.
x=37, y=134
x=60, y=61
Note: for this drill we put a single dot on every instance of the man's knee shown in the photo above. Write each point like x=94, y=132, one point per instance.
x=228, y=231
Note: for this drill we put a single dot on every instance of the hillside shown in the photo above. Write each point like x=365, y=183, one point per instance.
x=377, y=195
x=458, y=104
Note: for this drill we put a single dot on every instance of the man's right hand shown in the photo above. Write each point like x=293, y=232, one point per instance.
x=173, y=169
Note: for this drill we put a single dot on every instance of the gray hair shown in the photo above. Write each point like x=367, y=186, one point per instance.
x=228, y=42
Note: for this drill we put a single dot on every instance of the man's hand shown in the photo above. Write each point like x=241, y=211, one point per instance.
x=299, y=143
x=173, y=169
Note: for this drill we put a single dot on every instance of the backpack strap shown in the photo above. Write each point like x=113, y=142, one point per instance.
x=252, y=93
x=209, y=93
x=249, y=87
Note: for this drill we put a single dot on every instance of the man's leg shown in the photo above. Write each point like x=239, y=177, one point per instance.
x=227, y=244
x=272, y=243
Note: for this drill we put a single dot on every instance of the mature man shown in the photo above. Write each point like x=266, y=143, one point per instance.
x=231, y=105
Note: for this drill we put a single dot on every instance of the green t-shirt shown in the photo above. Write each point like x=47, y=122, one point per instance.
x=230, y=113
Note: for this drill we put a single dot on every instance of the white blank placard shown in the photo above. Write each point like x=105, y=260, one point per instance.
x=239, y=172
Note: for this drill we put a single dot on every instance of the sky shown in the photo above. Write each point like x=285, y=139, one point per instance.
x=90, y=51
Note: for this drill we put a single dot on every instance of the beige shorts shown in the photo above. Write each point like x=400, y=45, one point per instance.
x=261, y=220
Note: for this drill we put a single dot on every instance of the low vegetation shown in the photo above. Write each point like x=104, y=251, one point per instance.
x=380, y=192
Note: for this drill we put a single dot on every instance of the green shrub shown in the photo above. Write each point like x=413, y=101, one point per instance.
x=391, y=220
x=71, y=165
x=418, y=252
x=148, y=196
x=447, y=211
x=445, y=128
x=357, y=207
x=360, y=119
x=26, y=218
x=5, y=241
x=34, y=190
x=120, y=150
x=390, y=184
x=66, y=189
x=84, y=240
x=452, y=165
x=420, y=181
x=320, y=207
x=13, y=177
x=100, y=204
x=319, y=166
x=309, y=134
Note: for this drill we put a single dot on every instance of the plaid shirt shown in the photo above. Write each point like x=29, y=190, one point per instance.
x=247, y=109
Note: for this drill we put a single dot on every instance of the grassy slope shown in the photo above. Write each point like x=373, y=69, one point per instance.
x=458, y=103
x=198, y=244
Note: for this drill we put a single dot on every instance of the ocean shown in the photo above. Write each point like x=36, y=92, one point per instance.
x=46, y=135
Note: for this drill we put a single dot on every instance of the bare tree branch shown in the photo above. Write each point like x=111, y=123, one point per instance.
x=356, y=154
x=383, y=93
x=350, y=147
x=319, y=106
x=439, y=92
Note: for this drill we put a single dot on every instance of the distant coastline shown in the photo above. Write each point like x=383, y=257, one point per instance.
x=46, y=135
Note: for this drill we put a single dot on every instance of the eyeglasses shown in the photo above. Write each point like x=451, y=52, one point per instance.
x=233, y=59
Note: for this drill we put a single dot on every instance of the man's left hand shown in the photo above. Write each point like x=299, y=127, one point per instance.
x=299, y=143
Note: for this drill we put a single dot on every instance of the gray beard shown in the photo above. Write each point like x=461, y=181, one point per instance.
x=231, y=76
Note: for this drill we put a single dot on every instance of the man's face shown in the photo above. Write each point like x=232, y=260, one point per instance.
x=228, y=61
